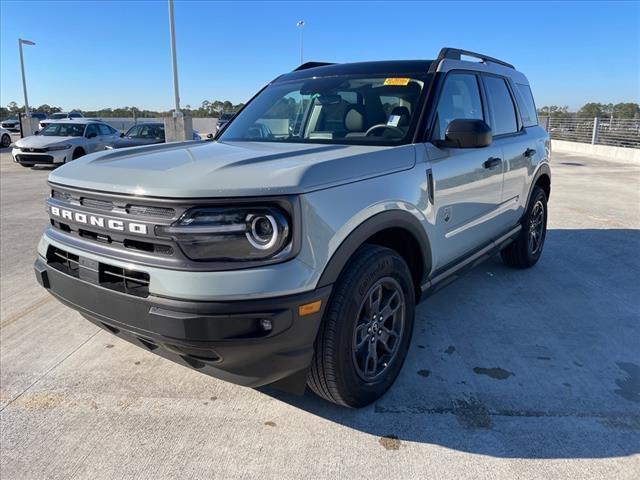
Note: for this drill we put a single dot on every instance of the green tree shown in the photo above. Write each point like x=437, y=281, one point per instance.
x=592, y=109
x=626, y=110
x=554, y=111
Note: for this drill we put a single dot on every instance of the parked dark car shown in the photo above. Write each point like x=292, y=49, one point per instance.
x=141, y=134
x=223, y=120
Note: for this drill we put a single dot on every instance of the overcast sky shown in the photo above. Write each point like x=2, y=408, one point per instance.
x=95, y=54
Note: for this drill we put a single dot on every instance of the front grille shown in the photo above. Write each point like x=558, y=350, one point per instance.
x=123, y=280
x=34, y=158
x=95, y=203
x=63, y=261
x=33, y=150
x=148, y=211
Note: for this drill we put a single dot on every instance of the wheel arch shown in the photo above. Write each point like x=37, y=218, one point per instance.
x=542, y=179
x=396, y=229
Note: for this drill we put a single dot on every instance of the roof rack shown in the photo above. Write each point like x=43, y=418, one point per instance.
x=456, y=54
x=308, y=65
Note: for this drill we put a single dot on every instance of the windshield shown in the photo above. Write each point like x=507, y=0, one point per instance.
x=58, y=116
x=63, y=130
x=372, y=110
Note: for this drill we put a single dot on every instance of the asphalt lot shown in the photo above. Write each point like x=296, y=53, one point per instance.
x=511, y=374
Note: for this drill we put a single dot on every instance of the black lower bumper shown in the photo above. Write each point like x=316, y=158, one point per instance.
x=227, y=340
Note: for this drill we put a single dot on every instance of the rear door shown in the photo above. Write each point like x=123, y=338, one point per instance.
x=516, y=144
x=467, y=182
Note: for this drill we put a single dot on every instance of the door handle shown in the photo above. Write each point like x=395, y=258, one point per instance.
x=529, y=152
x=492, y=162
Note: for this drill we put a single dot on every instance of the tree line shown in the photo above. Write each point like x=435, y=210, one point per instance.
x=216, y=107
x=592, y=109
x=207, y=109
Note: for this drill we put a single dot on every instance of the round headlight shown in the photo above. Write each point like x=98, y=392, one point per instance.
x=263, y=231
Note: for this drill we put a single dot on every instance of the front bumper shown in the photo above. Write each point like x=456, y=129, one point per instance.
x=41, y=158
x=226, y=339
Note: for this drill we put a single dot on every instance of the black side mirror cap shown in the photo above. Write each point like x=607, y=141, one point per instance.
x=122, y=135
x=467, y=133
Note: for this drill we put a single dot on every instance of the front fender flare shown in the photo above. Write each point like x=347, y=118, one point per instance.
x=377, y=223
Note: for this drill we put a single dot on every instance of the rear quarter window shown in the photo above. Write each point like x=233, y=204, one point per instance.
x=526, y=105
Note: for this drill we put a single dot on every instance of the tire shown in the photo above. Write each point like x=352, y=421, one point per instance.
x=348, y=375
x=6, y=141
x=77, y=153
x=526, y=250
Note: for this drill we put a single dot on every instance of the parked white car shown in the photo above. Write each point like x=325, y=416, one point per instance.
x=62, y=141
x=5, y=138
x=59, y=116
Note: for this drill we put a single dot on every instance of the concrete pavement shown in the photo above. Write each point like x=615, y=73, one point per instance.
x=511, y=374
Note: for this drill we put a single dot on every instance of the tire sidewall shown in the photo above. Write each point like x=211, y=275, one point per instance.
x=392, y=266
x=3, y=141
x=538, y=195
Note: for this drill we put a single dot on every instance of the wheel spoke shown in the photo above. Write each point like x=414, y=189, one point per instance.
x=389, y=307
x=373, y=303
x=371, y=363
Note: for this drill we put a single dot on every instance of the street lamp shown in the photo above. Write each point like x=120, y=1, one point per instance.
x=172, y=34
x=300, y=25
x=24, y=82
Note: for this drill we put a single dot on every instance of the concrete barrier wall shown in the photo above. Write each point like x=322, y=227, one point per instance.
x=622, y=154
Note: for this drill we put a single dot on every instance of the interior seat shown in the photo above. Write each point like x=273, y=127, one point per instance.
x=354, y=121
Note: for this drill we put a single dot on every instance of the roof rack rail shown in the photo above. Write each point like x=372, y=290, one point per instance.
x=456, y=54
x=307, y=65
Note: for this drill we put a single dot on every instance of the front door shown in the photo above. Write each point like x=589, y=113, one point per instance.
x=467, y=182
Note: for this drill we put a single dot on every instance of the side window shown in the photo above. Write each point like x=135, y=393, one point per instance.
x=503, y=112
x=104, y=130
x=460, y=99
x=526, y=105
x=92, y=128
x=134, y=132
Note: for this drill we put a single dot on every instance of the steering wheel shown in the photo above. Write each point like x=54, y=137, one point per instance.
x=397, y=131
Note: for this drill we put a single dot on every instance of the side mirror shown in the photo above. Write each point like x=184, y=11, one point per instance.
x=92, y=135
x=37, y=132
x=210, y=136
x=464, y=133
x=121, y=134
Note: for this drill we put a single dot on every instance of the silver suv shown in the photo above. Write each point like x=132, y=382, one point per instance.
x=293, y=250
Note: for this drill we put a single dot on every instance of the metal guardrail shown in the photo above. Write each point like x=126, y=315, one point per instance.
x=596, y=131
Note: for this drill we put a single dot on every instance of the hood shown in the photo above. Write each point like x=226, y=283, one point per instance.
x=42, y=141
x=230, y=169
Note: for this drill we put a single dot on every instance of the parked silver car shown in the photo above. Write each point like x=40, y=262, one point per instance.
x=293, y=250
x=63, y=140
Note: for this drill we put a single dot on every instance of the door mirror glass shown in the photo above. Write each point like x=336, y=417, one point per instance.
x=467, y=133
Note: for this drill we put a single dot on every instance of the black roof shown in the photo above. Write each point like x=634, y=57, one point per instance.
x=404, y=67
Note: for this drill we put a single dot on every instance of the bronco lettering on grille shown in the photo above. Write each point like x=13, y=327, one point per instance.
x=97, y=221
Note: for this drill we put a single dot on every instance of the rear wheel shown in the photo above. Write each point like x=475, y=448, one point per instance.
x=366, y=330
x=525, y=251
x=6, y=140
x=77, y=153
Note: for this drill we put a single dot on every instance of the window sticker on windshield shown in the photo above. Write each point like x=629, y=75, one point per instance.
x=397, y=81
x=393, y=121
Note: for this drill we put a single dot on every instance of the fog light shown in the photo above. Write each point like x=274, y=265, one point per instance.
x=266, y=324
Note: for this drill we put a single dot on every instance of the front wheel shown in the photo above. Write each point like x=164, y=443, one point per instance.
x=525, y=251
x=366, y=330
x=6, y=140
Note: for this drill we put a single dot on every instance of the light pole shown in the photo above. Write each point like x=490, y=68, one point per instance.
x=300, y=25
x=24, y=82
x=172, y=34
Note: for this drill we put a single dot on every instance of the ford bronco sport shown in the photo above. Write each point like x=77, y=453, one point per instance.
x=293, y=249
